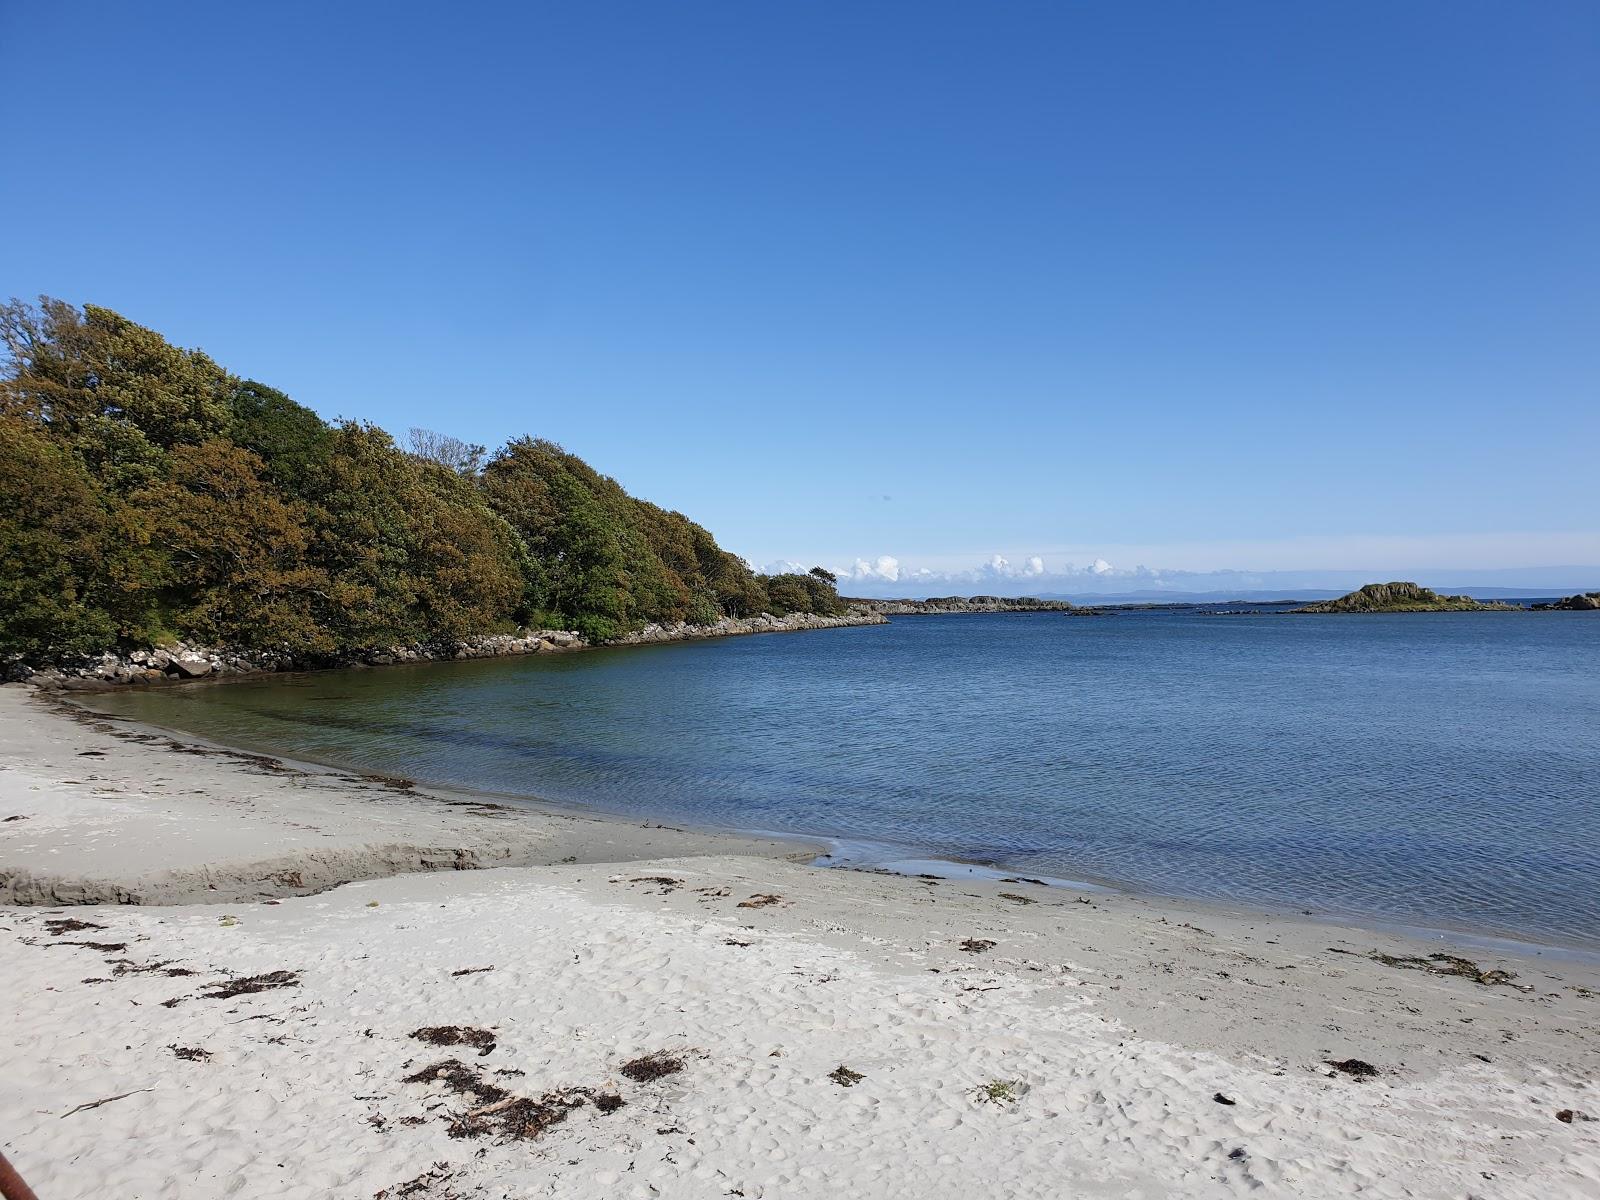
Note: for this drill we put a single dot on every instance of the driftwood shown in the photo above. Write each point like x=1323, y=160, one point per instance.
x=98, y=1103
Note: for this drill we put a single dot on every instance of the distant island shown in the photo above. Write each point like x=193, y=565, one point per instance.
x=941, y=605
x=1401, y=597
x=1583, y=601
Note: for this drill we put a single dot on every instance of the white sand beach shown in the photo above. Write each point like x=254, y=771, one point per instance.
x=192, y=1008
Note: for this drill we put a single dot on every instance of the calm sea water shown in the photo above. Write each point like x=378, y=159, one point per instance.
x=1441, y=770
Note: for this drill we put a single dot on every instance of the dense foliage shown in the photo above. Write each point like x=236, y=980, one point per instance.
x=149, y=494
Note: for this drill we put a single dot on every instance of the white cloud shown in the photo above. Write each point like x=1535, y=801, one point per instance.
x=885, y=567
x=1331, y=563
x=784, y=566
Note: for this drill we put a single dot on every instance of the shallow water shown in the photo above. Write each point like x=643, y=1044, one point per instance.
x=1434, y=769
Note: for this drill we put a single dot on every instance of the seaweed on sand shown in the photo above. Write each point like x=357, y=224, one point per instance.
x=520, y=1117
x=461, y=1079
x=422, y=1185
x=456, y=1035
x=498, y=1111
x=1354, y=1067
x=61, y=925
x=1449, y=964
x=251, y=984
x=649, y=1067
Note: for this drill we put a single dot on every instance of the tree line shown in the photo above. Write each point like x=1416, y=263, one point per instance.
x=149, y=494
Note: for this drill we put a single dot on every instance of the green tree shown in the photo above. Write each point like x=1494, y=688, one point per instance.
x=117, y=393
x=293, y=443
x=53, y=526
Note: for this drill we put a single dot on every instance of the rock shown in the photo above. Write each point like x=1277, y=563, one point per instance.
x=1399, y=597
x=1589, y=601
x=191, y=665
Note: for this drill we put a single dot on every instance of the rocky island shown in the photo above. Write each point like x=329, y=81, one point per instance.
x=1583, y=601
x=1401, y=597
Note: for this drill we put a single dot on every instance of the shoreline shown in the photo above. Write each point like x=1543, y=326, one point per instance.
x=811, y=846
x=1022, y=1040
x=342, y=825
x=185, y=662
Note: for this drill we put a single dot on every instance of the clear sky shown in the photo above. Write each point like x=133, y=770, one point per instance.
x=1222, y=285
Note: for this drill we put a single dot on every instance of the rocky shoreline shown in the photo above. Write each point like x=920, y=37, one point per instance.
x=738, y=626
x=947, y=605
x=182, y=662
x=1582, y=602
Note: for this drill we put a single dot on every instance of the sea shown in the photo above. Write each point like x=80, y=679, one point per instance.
x=1438, y=771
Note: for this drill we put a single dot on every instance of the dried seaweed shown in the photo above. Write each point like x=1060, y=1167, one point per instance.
x=250, y=985
x=1449, y=964
x=1354, y=1067
x=456, y=1035
x=61, y=925
x=650, y=1067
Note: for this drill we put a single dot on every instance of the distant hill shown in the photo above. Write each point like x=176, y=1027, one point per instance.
x=1400, y=597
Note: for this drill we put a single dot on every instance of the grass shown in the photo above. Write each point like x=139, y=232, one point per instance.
x=1000, y=1091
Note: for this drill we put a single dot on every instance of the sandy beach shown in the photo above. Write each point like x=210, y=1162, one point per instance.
x=229, y=976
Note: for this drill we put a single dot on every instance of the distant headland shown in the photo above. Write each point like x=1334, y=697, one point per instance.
x=942, y=605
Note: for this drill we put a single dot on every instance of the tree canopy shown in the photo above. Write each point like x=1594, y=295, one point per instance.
x=150, y=494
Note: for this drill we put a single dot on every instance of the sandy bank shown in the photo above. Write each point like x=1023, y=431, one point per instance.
x=98, y=810
x=826, y=1033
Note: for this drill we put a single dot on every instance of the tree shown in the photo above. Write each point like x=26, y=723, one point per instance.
x=101, y=382
x=150, y=494
x=235, y=552
x=52, y=528
x=461, y=457
x=293, y=443
x=413, y=553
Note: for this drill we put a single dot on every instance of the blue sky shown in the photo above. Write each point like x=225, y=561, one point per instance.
x=1251, y=286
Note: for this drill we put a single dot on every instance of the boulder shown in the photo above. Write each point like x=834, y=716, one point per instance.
x=191, y=665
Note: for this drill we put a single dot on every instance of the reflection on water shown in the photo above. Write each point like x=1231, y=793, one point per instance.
x=1438, y=769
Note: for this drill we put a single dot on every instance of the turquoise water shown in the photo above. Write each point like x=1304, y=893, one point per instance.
x=1441, y=770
